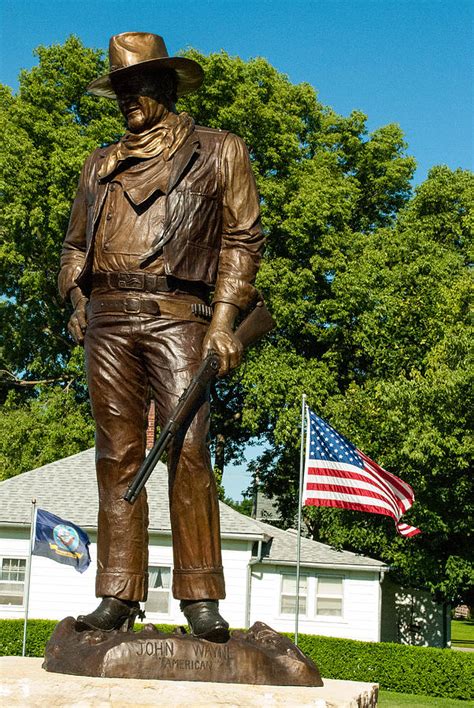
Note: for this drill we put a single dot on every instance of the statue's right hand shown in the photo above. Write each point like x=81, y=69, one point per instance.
x=78, y=321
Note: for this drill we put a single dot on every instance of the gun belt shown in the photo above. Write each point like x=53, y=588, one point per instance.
x=147, y=283
x=168, y=308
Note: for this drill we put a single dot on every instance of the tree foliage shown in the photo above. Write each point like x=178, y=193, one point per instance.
x=47, y=427
x=48, y=128
x=369, y=286
x=396, y=338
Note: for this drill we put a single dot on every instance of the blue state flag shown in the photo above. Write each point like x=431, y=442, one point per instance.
x=61, y=541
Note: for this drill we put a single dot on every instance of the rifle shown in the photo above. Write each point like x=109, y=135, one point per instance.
x=257, y=323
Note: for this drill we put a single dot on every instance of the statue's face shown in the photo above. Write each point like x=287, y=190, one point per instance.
x=140, y=102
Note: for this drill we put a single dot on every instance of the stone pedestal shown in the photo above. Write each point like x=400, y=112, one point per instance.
x=24, y=684
x=258, y=656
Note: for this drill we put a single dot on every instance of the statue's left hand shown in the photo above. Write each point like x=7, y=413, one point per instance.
x=77, y=324
x=221, y=339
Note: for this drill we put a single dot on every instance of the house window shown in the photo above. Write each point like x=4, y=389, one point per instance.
x=12, y=581
x=159, y=584
x=329, y=592
x=288, y=595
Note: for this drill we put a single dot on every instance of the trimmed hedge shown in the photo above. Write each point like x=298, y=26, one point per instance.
x=442, y=673
x=11, y=636
x=37, y=636
x=426, y=671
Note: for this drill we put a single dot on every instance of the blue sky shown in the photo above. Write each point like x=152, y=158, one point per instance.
x=403, y=61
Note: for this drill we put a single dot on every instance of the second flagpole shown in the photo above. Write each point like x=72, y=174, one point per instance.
x=28, y=573
x=300, y=497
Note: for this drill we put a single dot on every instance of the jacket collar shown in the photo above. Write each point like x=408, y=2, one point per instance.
x=182, y=158
x=178, y=163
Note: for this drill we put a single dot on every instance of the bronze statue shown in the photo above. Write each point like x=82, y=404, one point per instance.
x=165, y=222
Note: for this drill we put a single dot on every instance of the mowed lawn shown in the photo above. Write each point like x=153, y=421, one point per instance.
x=462, y=633
x=388, y=699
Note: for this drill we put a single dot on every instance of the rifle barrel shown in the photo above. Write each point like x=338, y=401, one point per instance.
x=147, y=466
x=182, y=412
x=253, y=327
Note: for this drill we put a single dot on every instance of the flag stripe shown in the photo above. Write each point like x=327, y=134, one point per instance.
x=403, y=487
x=406, y=530
x=348, y=471
x=379, y=473
x=345, y=480
x=403, y=491
x=353, y=506
x=341, y=494
x=356, y=493
x=337, y=474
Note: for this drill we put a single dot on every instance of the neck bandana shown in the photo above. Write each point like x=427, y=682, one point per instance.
x=164, y=138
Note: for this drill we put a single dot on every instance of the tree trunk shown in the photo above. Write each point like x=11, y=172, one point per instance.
x=219, y=463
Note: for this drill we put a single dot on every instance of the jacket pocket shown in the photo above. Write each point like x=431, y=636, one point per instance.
x=196, y=262
x=202, y=220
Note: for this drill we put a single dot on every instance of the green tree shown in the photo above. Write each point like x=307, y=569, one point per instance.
x=368, y=286
x=48, y=129
x=41, y=429
x=412, y=410
x=397, y=329
x=315, y=170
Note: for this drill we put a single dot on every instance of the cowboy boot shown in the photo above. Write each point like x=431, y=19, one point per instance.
x=204, y=620
x=112, y=614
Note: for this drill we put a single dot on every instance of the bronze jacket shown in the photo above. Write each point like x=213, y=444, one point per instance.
x=211, y=233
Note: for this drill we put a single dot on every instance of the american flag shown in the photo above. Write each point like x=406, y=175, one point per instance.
x=338, y=474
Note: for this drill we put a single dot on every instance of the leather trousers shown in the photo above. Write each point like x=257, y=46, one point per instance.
x=126, y=356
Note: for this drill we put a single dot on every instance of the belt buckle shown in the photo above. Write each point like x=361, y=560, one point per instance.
x=132, y=305
x=131, y=281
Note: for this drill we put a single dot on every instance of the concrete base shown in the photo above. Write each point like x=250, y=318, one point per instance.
x=24, y=683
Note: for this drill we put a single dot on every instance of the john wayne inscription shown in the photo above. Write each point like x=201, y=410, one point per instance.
x=166, y=651
x=257, y=656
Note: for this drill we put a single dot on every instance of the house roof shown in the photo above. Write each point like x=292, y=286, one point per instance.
x=282, y=546
x=281, y=549
x=68, y=489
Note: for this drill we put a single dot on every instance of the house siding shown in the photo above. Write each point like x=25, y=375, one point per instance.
x=57, y=590
x=360, y=612
x=411, y=616
x=235, y=557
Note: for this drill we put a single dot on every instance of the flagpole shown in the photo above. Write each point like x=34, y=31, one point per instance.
x=28, y=571
x=300, y=495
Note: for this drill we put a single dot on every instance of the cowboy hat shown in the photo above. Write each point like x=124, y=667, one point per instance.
x=130, y=51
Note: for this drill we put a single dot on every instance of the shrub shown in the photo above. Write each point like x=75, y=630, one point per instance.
x=37, y=636
x=426, y=671
x=11, y=636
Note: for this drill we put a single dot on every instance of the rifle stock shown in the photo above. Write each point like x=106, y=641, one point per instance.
x=252, y=328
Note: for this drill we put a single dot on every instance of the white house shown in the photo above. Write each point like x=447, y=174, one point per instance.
x=340, y=591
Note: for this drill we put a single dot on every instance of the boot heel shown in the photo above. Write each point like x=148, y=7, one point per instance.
x=129, y=622
x=111, y=615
